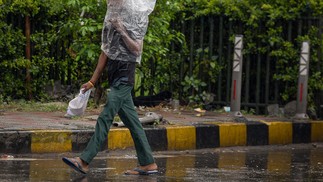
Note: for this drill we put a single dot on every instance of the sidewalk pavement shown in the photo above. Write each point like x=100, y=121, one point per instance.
x=51, y=132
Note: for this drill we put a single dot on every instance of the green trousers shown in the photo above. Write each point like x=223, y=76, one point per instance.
x=119, y=101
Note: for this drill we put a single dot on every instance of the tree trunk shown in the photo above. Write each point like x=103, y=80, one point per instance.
x=28, y=57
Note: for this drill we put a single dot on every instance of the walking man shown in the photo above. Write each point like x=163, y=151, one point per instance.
x=124, y=28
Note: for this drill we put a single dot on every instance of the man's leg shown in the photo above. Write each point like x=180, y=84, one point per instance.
x=129, y=116
x=103, y=125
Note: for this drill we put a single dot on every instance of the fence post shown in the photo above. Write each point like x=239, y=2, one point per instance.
x=301, y=103
x=236, y=77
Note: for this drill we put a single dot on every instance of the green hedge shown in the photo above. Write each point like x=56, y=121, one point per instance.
x=66, y=36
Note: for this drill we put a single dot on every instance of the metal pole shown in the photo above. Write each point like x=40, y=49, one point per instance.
x=301, y=103
x=236, y=77
x=149, y=118
x=258, y=82
x=228, y=79
x=202, y=48
x=247, y=82
x=220, y=52
x=211, y=37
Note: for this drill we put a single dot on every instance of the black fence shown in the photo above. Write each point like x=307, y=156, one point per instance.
x=259, y=88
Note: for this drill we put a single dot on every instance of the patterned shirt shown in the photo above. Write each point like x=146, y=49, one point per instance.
x=135, y=23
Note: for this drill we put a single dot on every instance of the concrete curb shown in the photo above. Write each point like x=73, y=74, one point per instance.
x=199, y=136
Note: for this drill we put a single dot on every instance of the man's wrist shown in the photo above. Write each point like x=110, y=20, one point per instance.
x=122, y=32
x=91, y=83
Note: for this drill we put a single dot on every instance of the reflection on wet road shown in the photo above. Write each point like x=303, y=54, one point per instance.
x=266, y=163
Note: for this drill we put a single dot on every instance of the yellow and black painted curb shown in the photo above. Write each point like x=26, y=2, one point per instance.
x=207, y=135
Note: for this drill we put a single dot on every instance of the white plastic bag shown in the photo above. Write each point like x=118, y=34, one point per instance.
x=77, y=106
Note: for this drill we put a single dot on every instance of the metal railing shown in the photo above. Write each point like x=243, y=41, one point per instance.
x=259, y=88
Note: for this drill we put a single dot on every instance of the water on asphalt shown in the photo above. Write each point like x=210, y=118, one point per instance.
x=303, y=162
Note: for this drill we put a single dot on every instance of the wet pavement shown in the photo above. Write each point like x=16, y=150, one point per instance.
x=301, y=162
x=21, y=121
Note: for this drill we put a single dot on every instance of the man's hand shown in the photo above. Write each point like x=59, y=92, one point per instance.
x=117, y=24
x=134, y=46
x=87, y=86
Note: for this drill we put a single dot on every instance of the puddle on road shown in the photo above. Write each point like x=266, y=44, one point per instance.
x=247, y=165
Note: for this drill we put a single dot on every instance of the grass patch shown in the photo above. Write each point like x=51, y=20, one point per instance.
x=22, y=105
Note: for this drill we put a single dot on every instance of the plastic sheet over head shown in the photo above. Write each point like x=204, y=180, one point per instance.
x=133, y=15
x=146, y=6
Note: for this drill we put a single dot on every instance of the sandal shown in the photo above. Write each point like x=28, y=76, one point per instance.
x=138, y=171
x=75, y=165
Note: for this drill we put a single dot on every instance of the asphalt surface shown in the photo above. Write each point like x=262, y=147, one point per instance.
x=302, y=162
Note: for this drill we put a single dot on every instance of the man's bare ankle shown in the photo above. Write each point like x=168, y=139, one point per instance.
x=152, y=166
x=82, y=162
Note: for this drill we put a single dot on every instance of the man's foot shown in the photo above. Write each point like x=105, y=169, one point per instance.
x=77, y=164
x=144, y=170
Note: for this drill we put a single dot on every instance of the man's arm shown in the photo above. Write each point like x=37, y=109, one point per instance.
x=135, y=46
x=103, y=59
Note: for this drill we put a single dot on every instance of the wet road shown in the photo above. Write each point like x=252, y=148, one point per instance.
x=265, y=163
